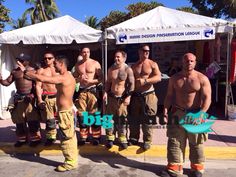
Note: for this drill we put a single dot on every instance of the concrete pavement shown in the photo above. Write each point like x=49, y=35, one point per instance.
x=221, y=143
x=91, y=166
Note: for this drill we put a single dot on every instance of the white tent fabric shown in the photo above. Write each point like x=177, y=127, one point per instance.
x=233, y=20
x=164, y=24
x=62, y=30
x=6, y=92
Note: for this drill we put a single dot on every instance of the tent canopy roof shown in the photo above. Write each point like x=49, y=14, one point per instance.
x=62, y=30
x=165, y=18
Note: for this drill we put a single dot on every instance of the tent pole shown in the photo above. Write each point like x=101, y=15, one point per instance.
x=105, y=68
x=105, y=62
x=229, y=40
x=103, y=53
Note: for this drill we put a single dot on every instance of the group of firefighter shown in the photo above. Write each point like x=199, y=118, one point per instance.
x=127, y=94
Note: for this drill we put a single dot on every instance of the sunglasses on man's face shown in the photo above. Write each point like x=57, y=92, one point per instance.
x=145, y=50
x=20, y=60
x=48, y=58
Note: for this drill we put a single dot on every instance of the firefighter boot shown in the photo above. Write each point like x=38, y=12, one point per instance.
x=109, y=144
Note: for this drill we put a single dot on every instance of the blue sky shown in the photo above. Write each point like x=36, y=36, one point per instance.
x=80, y=9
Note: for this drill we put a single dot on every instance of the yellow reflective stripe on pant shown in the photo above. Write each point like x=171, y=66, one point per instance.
x=52, y=134
x=122, y=139
x=111, y=137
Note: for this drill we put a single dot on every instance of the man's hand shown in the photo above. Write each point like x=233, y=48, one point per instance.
x=126, y=101
x=83, y=79
x=104, y=96
x=10, y=107
x=200, y=120
x=164, y=119
x=141, y=81
x=29, y=74
x=21, y=66
x=29, y=98
x=42, y=105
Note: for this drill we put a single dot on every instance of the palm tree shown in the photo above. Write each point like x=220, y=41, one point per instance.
x=115, y=17
x=41, y=10
x=141, y=7
x=92, y=21
x=19, y=23
x=231, y=8
x=4, y=15
x=215, y=8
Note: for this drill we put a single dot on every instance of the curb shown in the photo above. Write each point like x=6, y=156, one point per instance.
x=156, y=151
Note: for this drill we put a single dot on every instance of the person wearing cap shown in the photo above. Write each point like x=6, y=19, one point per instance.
x=89, y=74
x=23, y=113
x=143, y=105
x=46, y=98
x=189, y=91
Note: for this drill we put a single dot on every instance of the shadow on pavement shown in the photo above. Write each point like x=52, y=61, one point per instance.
x=8, y=139
x=38, y=159
x=222, y=138
x=9, y=131
x=114, y=159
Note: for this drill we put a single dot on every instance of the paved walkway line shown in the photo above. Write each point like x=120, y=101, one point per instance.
x=213, y=152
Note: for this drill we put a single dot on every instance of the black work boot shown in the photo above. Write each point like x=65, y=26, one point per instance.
x=49, y=142
x=146, y=146
x=124, y=145
x=96, y=141
x=195, y=174
x=109, y=144
x=34, y=143
x=132, y=142
x=21, y=134
x=19, y=144
x=166, y=173
x=81, y=142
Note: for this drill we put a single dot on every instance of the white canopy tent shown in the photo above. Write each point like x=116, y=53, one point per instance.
x=62, y=30
x=33, y=39
x=163, y=24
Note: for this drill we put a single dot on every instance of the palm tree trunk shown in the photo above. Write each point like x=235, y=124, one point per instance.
x=43, y=10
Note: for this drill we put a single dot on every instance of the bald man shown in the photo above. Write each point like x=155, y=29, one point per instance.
x=188, y=91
